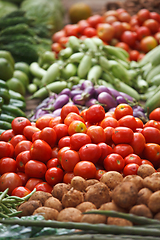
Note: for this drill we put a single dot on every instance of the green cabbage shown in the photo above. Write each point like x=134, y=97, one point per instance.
x=46, y=12
x=7, y=7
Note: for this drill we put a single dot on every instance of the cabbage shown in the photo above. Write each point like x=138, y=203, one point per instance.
x=7, y=7
x=47, y=12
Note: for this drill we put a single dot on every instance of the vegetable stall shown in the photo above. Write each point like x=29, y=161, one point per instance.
x=79, y=120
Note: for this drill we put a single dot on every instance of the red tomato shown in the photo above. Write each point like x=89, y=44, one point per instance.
x=128, y=121
x=95, y=20
x=124, y=17
x=54, y=175
x=90, y=152
x=138, y=143
x=20, y=192
x=7, y=164
x=64, y=142
x=148, y=43
x=123, y=149
x=129, y=38
x=16, y=139
x=114, y=162
x=108, y=135
x=123, y=45
x=10, y=180
x=142, y=32
x=23, y=177
x=155, y=114
x=71, y=30
x=56, y=120
x=144, y=161
x=58, y=35
x=61, y=130
x=110, y=13
x=90, y=32
x=155, y=16
x=56, y=47
x=63, y=41
x=133, y=55
x=60, y=152
x=7, y=135
x=72, y=117
x=99, y=173
x=40, y=150
x=141, y=55
x=6, y=149
x=66, y=109
x=77, y=127
x=110, y=19
x=151, y=134
x=44, y=186
x=133, y=158
x=43, y=121
x=83, y=114
x=77, y=140
x=28, y=132
x=35, y=169
x=24, y=145
x=109, y=122
x=152, y=123
x=157, y=37
x=143, y=14
x=95, y=114
x=32, y=182
x=139, y=122
x=69, y=159
x=122, y=110
x=130, y=169
x=35, y=135
x=152, y=25
x=96, y=134
x=127, y=26
x=19, y=123
x=54, y=152
x=105, y=32
x=53, y=162
x=48, y=135
x=68, y=177
x=151, y=152
x=83, y=24
x=21, y=159
x=85, y=169
x=105, y=150
x=122, y=135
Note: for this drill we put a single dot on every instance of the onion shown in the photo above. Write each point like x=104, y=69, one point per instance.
x=107, y=100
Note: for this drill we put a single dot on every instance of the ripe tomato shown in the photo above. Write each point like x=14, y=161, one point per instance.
x=128, y=121
x=54, y=152
x=123, y=45
x=155, y=16
x=151, y=152
x=28, y=132
x=83, y=24
x=99, y=173
x=138, y=143
x=44, y=186
x=40, y=150
x=108, y=135
x=139, y=122
x=90, y=152
x=142, y=32
x=43, y=121
x=71, y=30
x=133, y=158
x=35, y=135
x=56, y=47
x=64, y=142
x=48, y=135
x=53, y=162
x=90, y=32
x=61, y=130
x=105, y=150
x=124, y=17
x=7, y=164
x=155, y=114
x=58, y=35
x=69, y=159
x=72, y=117
x=68, y=177
x=133, y=55
x=114, y=162
x=110, y=19
x=54, y=175
x=105, y=32
x=152, y=123
x=19, y=123
x=23, y=177
x=17, y=138
x=20, y=191
x=7, y=135
x=56, y=120
x=67, y=109
x=148, y=43
x=21, y=159
x=144, y=161
x=77, y=140
x=85, y=169
x=152, y=25
x=122, y=135
x=32, y=182
x=123, y=149
x=95, y=20
x=151, y=134
x=143, y=14
x=118, y=29
x=96, y=134
x=95, y=114
x=122, y=110
x=128, y=37
x=130, y=169
x=24, y=145
x=77, y=127
x=10, y=180
x=35, y=169
x=60, y=152
x=6, y=149
x=109, y=122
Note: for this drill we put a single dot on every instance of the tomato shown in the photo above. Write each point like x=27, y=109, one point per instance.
x=28, y=132
x=130, y=169
x=138, y=143
x=143, y=14
x=123, y=45
x=152, y=123
x=63, y=42
x=60, y=152
x=148, y=43
x=85, y=169
x=108, y=135
x=122, y=110
x=53, y=162
x=16, y=139
x=77, y=127
x=151, y=152
x=126, y=26
x=99, y=173
x=54, y=152
x=90, y=32
x=43, y=121
x=77, y=140
x=144, y=161
x=109, y=122
x=110, y=19
x=90, y=152
x=35, y=169
x=110, y=13
x=58, y=35
x=139, y=122
x=105, y=32
x=142, y=32
x=6, y=149
x=120, y=10
x=7, y=164
x=96, y=134
x=35, y=135
x=23, y=177
x=48, y=135
x=20, y=192
x=155, y=114
x=95, y=114
x=56, y=120
x=151, y=134
x=133, y=55
x=152, y=25
x=7, y=135
x=157, y=37
x=54, y=175
x=24, y=145
x=56, y=47
x=122, y=135
x=123, y=149
x=72, y=117
x=105, y=150
x=66, y=109
x=83, y=24
x=40, y=150
x=19, y=123
x=83, y=114
x=155, y=16
x=44, y=186
x=133, y=158
x=10, y=180
x=95, y=20
x=32, y=182
x=21, y=159
x=128, y=121
x=71, y=30
x=141, y=55
x=128, y=37
x=69, y=159
x=64, y=142
x=68, y=177
x=114, y=162
x=124, y=17
x=118, y=29
x=61, y=130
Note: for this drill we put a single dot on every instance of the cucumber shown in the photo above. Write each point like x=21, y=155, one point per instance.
x=16, y=13
x=11, y=21
x=6, y=117
x=17, y=29
x=5, y=39
x=12, y=110
x=4, y=93
x=16, y=95
x=18, y=103
x=5, y=125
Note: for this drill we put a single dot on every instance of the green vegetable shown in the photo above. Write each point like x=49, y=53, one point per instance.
x=7, y=7
x=13, y=110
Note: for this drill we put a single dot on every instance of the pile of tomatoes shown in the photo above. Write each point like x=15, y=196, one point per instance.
x=87, y=143
x=137, y=34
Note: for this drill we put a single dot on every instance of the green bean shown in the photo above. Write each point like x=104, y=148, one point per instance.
x=3, y=194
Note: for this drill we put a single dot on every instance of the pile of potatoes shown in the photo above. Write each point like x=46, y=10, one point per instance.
x=137, y=194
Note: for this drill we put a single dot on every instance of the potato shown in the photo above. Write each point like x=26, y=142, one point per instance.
x=47, y=213
x=136, y=179
x=29, y=207
x=97, y=194
x=157, y=216
x=145, y=170
x=78, y=183
x=111, y=179
x=59, y=189
x=84, y=206
x=154, y=202
x=125, y=194
x=111, y=206
x=141, y=210
x=143, y=196
x=72, y=198
x=93, y=218
x=69, y=214
x=41, y=196
x=152, y=182
x=53, y=202
x=90, y=182
x=118, y=221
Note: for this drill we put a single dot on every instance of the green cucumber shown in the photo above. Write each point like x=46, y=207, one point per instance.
x=13, y=110
x=5, y=125
x=6, y=117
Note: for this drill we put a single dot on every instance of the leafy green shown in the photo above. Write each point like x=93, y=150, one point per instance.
x=7, y=7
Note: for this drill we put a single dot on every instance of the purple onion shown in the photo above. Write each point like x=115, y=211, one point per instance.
x=128, y=97
x=66, y=91
x=91, y=102
x=75, y=92
x=60, y=101
x=107, y=100
x=100, y=89
x=78, y=99
x=86, y=83
x=57, y=112
x=121, y=99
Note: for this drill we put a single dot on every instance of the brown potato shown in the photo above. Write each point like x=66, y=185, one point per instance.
x=93, y=218
x=78, y=183
x=152, y=182
x=141, y=210
x=84, y=206
x=136, y=179
x=47, y=213
x=41, y=196
x=70, y=214
x=29, y=207
x=97, y=194
x=143, y=196
x=145, y=170
x=111, y=206
x=72, y=198
x=90, y=182
x=118, y=221
x=59, y=189
x=157, y=216
x=125, y=194
x=53, y=202
x=111, y=179
x=154, y=202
